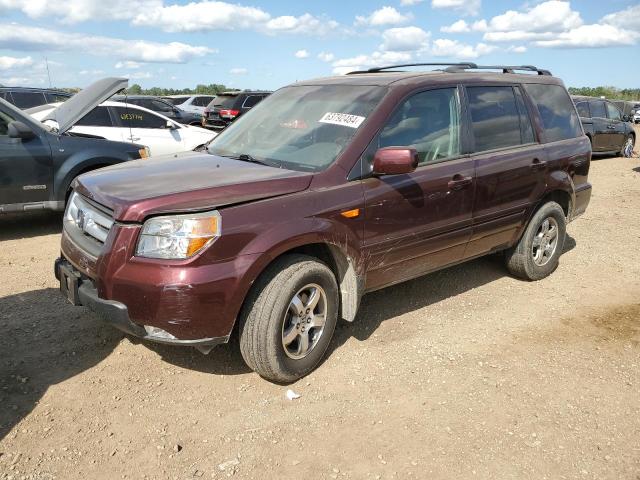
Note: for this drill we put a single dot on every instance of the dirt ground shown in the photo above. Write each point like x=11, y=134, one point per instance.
x=466, y=373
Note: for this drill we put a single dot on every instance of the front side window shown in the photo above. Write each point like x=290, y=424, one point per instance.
x=495, y=118
x=429, y=122
x=583, y=109
x=613, y=112
x=598, y=109
x=135, y=118
x=558, y=114
x=300, y=127
x=98, y=117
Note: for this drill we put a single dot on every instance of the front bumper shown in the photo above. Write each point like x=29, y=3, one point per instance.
x=117, y=314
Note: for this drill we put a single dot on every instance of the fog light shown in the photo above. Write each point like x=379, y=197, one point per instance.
x=158, y=332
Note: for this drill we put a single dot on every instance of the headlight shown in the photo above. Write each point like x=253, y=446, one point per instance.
x=178, y=236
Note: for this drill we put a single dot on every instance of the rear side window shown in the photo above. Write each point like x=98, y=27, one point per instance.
x=134, y=118
x=583, y=109
x=28, y=99
x=251, y=100
x=55, y=97
x=613, y=112
x=557, y=111
x=427, y=121
x=98, y=117
x=598, y=109
x=495, y=118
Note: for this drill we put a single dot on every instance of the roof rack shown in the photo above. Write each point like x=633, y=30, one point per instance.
x=380, y=69
x=504, y=68
x=459, y=67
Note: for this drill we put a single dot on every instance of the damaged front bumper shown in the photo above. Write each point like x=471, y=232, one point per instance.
x=82, y=291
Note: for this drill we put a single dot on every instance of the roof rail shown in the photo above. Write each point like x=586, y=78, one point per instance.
x=504, y=68
x=462, y=65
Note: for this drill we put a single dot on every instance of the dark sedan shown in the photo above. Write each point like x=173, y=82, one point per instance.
x=161, y=106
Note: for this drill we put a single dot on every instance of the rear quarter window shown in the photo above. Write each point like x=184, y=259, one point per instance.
x=557, y=112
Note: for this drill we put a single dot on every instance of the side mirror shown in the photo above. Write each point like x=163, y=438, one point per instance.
x=395, y=161
x=18, y=129
x=170, y=125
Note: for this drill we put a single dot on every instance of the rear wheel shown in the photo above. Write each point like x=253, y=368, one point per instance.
x=288, y=319
x=537, y=253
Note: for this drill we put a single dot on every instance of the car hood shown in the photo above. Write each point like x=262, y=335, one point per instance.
x=187, y=182
x=72, y=110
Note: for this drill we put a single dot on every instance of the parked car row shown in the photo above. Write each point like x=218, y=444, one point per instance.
x=392, y=174
x=24, y=98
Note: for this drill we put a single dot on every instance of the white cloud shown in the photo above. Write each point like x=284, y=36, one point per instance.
x=19, y=37
x=591, y=36
x=91, y=72
x=550, y=16
x=8, y=63
x=383, y=16
x=74, y=11
x=408, y=3
x=305, y=24
x=454, y=49
x=463, y=27
x=128, y=64
x=404, y=39
x=628, y=18
x=466, y=7
x=376, y=59
x=238, y=71
x=326, y=56
x=302, y=54
x=517, y=49
x=140, y=75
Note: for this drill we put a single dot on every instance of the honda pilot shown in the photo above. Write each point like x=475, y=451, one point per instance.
x=325, y=191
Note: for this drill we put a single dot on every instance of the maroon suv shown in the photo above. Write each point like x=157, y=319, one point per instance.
x=325, y=191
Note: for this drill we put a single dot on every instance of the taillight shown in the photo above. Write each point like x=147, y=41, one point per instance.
x=228, y=113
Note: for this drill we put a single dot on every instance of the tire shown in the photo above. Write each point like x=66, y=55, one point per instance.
x=272, y=337
x=529, y=259
x=630, y=140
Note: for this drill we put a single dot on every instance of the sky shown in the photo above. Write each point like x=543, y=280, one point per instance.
x=268, y=44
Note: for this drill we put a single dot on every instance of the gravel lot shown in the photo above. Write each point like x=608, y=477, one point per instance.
x=466, y=373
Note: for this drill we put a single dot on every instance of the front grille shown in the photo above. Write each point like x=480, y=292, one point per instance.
x=87, y=223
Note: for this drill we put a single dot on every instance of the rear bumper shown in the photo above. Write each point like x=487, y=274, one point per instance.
x=582, y=198
x=116, y=314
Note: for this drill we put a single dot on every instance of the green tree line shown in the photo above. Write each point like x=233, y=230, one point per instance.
x=611, y=93
x=211, y=89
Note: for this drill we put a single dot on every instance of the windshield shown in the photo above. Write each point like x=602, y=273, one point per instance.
x=300, y=127
x=176, y=100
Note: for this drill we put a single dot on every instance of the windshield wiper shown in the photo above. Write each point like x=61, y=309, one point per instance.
x=245, y=157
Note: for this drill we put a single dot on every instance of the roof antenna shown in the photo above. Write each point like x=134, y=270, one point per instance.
x=46, y=62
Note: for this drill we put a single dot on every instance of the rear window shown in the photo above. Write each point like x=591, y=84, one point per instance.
x=28, y=99
x=225, y=101
x=98, y=117
x=176, y=100
x=558, y=114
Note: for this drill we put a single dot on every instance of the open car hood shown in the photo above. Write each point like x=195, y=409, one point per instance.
x=72, y=110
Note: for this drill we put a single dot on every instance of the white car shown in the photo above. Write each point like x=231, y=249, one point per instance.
x=191, y=103
x=132, y=123
x=636, y=117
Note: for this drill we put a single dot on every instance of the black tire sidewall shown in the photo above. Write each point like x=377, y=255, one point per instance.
x=550, y=209
x=319, y=274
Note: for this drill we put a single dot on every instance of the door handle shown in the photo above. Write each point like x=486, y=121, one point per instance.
x=611, y=127
x=538, y=164
x=134, y=139
x=458, y=182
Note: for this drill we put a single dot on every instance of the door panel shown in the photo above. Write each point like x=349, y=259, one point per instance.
x=616, y=126
x=601, y=133
x=25, y=167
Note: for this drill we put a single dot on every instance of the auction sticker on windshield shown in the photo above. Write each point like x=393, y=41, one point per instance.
x=344, y=119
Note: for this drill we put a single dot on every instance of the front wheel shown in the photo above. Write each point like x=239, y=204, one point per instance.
x=288, y=319
x=537, y=253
